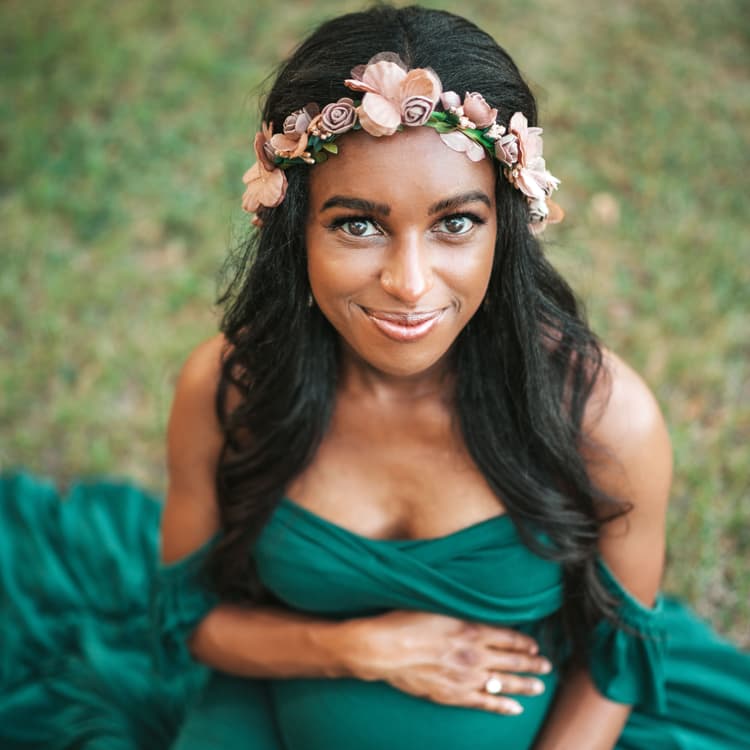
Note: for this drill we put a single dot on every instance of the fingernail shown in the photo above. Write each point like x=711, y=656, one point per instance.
x=545, y=666
x=537, y=687
x=514, y=708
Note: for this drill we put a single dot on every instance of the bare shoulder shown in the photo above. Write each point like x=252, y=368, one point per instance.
x=193, y=423
x=203, y=365
x=622, y=413
x=631, y=461
x=194, y=444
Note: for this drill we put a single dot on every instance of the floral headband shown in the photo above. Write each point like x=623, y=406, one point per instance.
x=396, y=97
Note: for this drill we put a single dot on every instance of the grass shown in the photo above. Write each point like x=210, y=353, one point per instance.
x=125, y=130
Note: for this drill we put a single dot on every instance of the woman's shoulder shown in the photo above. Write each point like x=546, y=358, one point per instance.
x=622, y=414
x=629, y=457
x=203, y=398
x=194, y=443
x=201, y=370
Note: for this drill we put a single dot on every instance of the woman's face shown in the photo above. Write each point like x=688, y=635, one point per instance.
x=400, y=243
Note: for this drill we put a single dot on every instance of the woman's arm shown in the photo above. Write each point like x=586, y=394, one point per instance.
x=262, y=642
x=438, y=657
x=634, y=464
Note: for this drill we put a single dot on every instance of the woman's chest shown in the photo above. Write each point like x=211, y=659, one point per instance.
x=395, y=485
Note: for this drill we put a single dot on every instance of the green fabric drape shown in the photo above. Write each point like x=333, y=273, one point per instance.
x=93, y=631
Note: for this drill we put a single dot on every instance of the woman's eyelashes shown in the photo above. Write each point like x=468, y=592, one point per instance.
x=457, y=224
x=355, y=226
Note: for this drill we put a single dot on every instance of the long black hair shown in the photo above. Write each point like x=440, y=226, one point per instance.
x=525, y=364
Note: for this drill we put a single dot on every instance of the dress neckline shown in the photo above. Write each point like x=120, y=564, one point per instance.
x=501, y=520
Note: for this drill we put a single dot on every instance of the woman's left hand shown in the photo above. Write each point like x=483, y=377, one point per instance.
x=445, y=659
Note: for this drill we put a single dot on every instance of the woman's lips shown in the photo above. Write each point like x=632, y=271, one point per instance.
x=404, y=326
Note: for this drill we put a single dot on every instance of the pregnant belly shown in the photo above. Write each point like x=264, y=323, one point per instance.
x=354, y=715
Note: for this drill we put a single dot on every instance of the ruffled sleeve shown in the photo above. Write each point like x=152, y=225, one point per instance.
x=181, y=598
x=627, y=658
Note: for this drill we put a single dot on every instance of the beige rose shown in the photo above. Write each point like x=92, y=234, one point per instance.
x=478, y=111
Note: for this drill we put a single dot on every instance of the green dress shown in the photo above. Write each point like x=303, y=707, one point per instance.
x=92, y=637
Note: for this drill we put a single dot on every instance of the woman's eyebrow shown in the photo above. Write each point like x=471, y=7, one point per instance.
x=459, y=200
x=358, y=204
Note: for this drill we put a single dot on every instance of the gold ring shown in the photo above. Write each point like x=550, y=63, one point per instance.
x=494, y=685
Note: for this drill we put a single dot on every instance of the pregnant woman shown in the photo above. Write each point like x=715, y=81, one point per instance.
x=412, y=502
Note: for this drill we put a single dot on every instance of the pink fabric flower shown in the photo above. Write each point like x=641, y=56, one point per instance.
x=338, y=117
x=289, y=146
x=378, y=117
x=380, y=110
x=525, y=181
x=534, y=180
x=450, y=100
x=477, y=110
x=357, y=81
x=416, y=110
x=461, y=142
x=556, y=213
x=529, y=139
x=495, y=132
x=542, y=213
x=262, y=146
x=263, y=187
x=293, y=141
x=464, y=122
x=298, y=122
x=538, y=210
x=420, y=92
x=506, y=149
x=521, y=150
x=392, y=95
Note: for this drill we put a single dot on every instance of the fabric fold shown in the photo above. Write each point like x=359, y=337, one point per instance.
x=181, y=597
x=627, y=658
x=372, y=575
x=77, y=572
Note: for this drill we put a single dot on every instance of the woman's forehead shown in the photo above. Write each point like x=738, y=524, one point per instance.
x=412, y=166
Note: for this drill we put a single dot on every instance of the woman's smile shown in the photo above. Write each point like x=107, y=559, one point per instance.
x=405, y=327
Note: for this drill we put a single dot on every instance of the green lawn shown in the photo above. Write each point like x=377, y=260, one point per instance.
x=126, y=128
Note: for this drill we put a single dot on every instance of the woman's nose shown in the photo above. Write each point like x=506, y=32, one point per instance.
x=407, y=274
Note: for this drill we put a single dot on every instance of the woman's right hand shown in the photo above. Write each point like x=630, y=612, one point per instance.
x=445, y=659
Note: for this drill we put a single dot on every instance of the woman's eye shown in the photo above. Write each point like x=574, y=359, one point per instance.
x=458, y=224
x=357, y=227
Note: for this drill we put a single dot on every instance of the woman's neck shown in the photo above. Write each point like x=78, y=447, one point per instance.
x=359, y=379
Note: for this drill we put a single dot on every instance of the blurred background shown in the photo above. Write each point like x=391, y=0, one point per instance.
x=126, y=128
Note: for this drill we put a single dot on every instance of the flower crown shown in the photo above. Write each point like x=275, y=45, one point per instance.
x=395, y=97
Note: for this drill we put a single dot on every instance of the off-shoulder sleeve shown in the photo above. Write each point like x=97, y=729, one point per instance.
x=181, y=597
x=627, y=658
